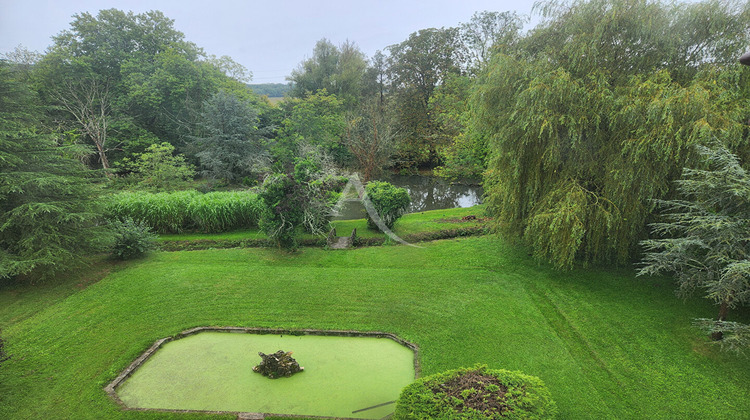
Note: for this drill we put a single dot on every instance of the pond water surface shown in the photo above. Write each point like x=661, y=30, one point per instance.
x=426, y=192
x=350, y=377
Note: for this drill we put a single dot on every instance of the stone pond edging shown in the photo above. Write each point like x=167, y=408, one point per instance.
x=111, y=388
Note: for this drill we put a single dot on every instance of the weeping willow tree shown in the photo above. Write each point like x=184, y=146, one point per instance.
x=600, y=111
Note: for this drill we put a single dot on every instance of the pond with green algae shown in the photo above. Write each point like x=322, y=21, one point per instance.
x=213, y=371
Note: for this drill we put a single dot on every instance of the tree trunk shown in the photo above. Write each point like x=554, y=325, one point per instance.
x=103, y=157
x=723, y=310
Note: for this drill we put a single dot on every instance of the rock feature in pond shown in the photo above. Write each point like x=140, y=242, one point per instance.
x=277, y=365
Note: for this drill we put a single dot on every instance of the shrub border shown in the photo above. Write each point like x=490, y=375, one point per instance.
x=111, y=388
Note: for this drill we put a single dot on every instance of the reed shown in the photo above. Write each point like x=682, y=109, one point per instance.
x=180, y=211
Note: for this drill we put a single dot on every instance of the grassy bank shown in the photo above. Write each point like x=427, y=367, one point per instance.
x=413, y=227
x=607, y=345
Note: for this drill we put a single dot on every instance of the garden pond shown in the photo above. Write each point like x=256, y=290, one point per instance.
x=343, y=377
x=426, y=193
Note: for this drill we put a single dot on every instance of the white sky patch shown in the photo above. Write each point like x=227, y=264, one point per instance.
x=270, y=38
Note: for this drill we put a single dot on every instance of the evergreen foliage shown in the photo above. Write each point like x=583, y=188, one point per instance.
x=132, y=239
x=704, y=236
x=48, y=219
x=232, y=146
x=599, y=114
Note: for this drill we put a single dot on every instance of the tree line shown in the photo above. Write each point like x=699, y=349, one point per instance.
x=578, y=128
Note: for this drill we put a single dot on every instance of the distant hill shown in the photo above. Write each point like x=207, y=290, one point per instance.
x=272, y=90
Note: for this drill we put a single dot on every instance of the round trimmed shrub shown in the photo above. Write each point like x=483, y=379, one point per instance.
x=476, y=393
x=389, y=201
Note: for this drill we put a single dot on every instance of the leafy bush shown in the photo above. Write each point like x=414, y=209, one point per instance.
x=389, y=201
x=159, y=168
x=476, y=393
x=132, y=239
x=297, y=199
x=186, y=210
x=282, y=211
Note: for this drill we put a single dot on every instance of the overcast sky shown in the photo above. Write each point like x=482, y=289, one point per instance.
x=270, y=38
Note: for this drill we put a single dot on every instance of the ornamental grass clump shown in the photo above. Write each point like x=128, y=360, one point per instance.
x=476, y=393
x=179, y=211
x=163, y=212
x=224, y=211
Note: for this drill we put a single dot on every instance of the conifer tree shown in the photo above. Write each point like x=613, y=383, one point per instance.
x=704, y=239
x=47, y=221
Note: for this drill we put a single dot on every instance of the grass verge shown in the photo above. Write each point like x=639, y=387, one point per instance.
x=414, y=227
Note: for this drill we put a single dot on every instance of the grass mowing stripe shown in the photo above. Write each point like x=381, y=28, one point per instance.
x=462, y=301
x=576, y=344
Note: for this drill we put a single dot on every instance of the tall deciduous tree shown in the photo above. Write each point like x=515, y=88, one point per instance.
x=47, y=221
x=591, y=123
x=487, y=32
x=704, y=236
x=317, y=120
x=417, y=66
x=156, y=80
x=339, y=70
x=370, y=137
x=88, y=102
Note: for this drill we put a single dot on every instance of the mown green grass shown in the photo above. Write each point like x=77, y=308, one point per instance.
x=607, y=345
x=409, y=224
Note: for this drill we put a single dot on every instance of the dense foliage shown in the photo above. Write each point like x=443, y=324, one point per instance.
x=704, y=236
x=298, y=200
x=476, y=393
x=598, y=115
x=389, y=202
x=187, y=210
x=132, y=239
x=272, y=90
x=231, y=146
x=339, y=70
x=48, y=220
x=123, y=81
x=282, y=209
x=158, y=168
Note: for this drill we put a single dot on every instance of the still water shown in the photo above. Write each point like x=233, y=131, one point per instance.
x=426, y=192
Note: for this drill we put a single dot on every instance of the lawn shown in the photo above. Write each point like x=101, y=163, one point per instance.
x=607, y=344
